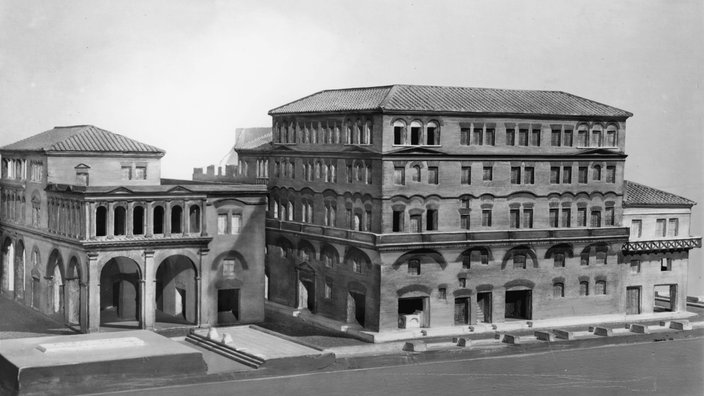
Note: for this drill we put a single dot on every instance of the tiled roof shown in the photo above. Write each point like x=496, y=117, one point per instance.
x=640, y=195
x=424, y=98
x=81, y=138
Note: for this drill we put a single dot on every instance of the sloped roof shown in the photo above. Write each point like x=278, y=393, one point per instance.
x=424, y=98
x=81, y=138
x=637, y=194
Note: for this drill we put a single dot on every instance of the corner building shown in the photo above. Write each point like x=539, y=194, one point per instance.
x=94, y=237
x=422, y=206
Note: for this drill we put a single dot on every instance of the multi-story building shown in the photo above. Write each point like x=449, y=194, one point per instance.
x=400, y=206
x=92, y=235
x=656, y=257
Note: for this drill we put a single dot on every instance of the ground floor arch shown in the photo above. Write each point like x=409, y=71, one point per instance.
x=120, y=293
x=7, y=279
x=55, y=293
x=176, y=295
x=72, y=286
x=306, y=287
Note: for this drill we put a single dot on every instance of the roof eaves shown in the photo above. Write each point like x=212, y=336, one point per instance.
x=627, y=114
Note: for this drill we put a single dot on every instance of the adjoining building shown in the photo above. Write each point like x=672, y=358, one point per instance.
x=93, y=236
x=425, y=206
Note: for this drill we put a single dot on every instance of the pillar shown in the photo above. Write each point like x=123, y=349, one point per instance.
x=148, y=290
x=148, y=216
x=167, y=219
x=111, y=220
x=93, y=300
x=199, y=288
x=129, y=220
x=203, y=221
x=186, y=218
x=91, y=220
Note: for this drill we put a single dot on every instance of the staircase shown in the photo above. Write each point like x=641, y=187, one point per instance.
x=231, y=353
x=480, y=313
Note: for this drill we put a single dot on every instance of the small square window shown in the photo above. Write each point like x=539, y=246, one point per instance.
x=488, y=173
x=126, y=172
x=635, y=266
x=140, y=173
x=228, y=268
x=463, y=282
x=665, y=264
x=414, y=267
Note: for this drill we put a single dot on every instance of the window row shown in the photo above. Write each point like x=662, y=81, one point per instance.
x=131, y=172
x=558, y=288
x=14, y=169
x=356, y=219
x=480, y=134
x=432, y=174
x=664, y=228
x=173, y=222
x=325, y=132
x=416, y=133
x=665, y=265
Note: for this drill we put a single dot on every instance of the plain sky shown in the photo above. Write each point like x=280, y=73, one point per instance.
x=182, y=75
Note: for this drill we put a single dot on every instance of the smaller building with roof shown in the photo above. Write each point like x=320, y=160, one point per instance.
x=93, y=236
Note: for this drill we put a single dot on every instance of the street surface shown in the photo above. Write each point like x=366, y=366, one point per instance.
x=663, y=368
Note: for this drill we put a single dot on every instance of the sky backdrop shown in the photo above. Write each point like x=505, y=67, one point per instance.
x=182, y=75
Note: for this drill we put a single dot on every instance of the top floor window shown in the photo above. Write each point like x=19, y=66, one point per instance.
x=555, y=139
x=126, y=172
x=432, y=132
x=582, y=138
x=510, y=137
x=611, y=138
x=140, y=173
x=567, y=139
x=535, y=138
x=636, y=228
x=522, y=137
x=416, y=132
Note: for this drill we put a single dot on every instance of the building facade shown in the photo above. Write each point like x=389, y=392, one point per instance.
x=92, y=235
x=405, y=206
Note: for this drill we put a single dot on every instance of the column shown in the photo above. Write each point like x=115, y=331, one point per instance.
x=84, y=306
x=148, y=215
x=91, y=220
x=111, y=220
x=148, y=290
x=199, y=288
x=167, y=219
x=129, y=220
x=187, y=219
x=203, y=221
x=93, y=302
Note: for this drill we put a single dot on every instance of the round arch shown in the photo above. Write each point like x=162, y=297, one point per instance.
x=120, y=293
x=525, y=250
x=425, y=256
x=176, y=295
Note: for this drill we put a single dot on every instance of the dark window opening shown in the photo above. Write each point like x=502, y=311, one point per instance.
x=101, y=220
x=119, y=221
x=158, y=220
x=176, y=215
x=138, y=220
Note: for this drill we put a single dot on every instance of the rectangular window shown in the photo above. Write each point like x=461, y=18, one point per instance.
x=466, y=177
x=126, y=172
x=567, y=174
x=431, y=219
x=488, y=173
x=489, y=137
x=519, y=261
x=559, y=259
x=635, y=266
x=567, y=141
x=464, y=222
x=581, y=217
x=140, y=173
x=582, y=139
x=558, y=290
x=464, y=136
x=555, y=140
x=600, y=288
x=432, y=175
x=554, y=175
x=235, y=223
x=414, y=267
x=665, y=264
x=486, y=218
x=611, y=174
x=611, y=138
x=596, y=218
x=510, y=137
x=582, y=175
x=566, y=217
x=527, y=218
x=660, y=228
x=398, y=135
x=636, y=228
x=515, y=175
x=522, y=137
x=442, y=293
x=554, y=218
x=673, y=226
x=584, y=258
x=477, y=136
x=399, y=176
x=597, y=139
x=609, y=217
x=535, y=137
x=529, y=175
x=82, y=178
x=228, y=268
x=222, y=224
x=398, y=221
x=416, y=223
x=583, y=288
x=514, y=216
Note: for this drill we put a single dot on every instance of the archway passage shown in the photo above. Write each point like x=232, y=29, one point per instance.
x=19, y=273
x=306, y=288
x=356, y=308
x=119, y=293
x=73, y=293
x=176, y=294
x=7, y=281
x=55, y=291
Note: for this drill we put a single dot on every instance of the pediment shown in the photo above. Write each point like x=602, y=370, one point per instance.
x=180, y=190
x=416, y=150
x=82, y=166
x=599, y=151
x=121, y=190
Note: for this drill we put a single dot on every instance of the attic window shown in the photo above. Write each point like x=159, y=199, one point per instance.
x=140, y=173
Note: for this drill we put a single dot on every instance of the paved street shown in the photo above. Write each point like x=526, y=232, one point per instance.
x=668, y=368
x=19, y=321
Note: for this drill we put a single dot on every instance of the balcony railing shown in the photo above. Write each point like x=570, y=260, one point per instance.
x=663, y=245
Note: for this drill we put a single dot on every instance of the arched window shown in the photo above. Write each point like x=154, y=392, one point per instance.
x=194, y=218
x=289, y=211
x=348, y=132
x=584, y=288
x=416, y=173
x=138, y=220
x=416, y=133
x=317, y=169
x=176, y=218
x=596, y=173
x=367, y=135
x=158, y=221
x=558, y=289
x=399, y=132
x=119, y=220
x=432, y=132
x=101, y=221
x=357, y=132
x=357, y=222
x=359, y=172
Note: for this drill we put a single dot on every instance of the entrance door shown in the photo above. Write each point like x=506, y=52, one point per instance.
x=633, y=300
x=359, y=307
x=415, y=306
x=484, y=303
x=462, y=310
x=228, y=305
x=518, y=304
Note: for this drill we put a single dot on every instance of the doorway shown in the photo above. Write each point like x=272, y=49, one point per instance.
x=484, y=307
x=461, y=310
x=120, y=294
x=415, y=306
x=228, y=305
x=306, y=288
x=665, y=298
x=633, y=300
x=356, y=309
x=518, y=304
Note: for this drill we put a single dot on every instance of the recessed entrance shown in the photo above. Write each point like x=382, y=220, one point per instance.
x=413, y=312
x=665, y=298
x=484, y=307
x=119, y=294
x=356, y=309
x=306, y=288
x=461, y=310
x=518, y=304
x=176, y=290
x=228, y=305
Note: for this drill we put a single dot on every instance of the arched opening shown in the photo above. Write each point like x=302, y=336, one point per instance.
x=176, y=218
x=176, y=293
x=101, y=221
x=120, y=220
x=55, y=291
x=120, y=294
x=138, y=220
x=19, y=271
x=72, y=286
x=306, y=287
x=194, y=219
x=158, y=223
x=36, y=277
x=6, y=269
x=356, y=303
